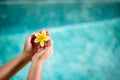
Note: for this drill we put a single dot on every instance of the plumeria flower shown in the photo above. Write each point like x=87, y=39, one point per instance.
x=41, y=38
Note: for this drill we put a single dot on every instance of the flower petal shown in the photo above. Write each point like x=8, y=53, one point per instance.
x=43, y=33
x=37, y=34
x=46, y=38
x=42, y=43
x=37, y=40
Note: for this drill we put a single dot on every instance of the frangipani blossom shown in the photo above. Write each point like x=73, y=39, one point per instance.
x=41, y=38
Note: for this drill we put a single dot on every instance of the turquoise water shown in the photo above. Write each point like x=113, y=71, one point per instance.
x=86, y=46
x=88, y=52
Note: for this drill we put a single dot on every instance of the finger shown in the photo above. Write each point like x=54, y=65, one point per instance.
x=39, y=50
x=33, y=34
x=45, y=51
x=48, y=33
x=42, y=52
x=52, y=51
x=47, y=48
x=30, y=37
x=49, y=51
x=40, y=31
x=51, y=43
x=47, y=44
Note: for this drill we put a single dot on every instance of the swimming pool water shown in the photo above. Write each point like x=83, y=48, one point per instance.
x=85, y=51
x=86, y=36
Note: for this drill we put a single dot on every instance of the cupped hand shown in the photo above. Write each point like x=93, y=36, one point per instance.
x=28, y=48
x=44, y=53
x=32, y=49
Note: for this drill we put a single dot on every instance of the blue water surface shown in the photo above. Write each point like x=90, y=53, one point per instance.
x=86, y=38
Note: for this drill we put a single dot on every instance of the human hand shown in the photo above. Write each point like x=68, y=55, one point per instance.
x=31, y=48
x=28, y=49
x=44, y=53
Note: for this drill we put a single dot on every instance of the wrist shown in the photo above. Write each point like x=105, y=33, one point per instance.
x=36, y=60
x=26, y=56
